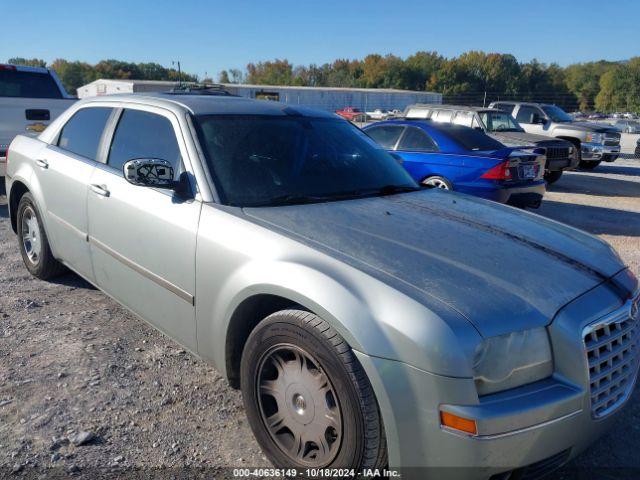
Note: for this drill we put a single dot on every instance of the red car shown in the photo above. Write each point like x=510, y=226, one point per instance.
x=352, y=114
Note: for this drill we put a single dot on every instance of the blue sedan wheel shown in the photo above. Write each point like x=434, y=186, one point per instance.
x=437, y=182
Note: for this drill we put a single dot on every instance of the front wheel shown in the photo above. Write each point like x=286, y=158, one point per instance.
x=437, y=182
x=589, y=165
x=308, y=400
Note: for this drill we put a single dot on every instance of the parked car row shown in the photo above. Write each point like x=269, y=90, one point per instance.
x=369, y=322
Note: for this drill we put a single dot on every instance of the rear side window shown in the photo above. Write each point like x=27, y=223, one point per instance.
x=81, y=134
x=144, y=135
x=417, y=140
x=442, y=116
x=14, y=83
x=386, y=137
x=464, y=118
x=505, y=107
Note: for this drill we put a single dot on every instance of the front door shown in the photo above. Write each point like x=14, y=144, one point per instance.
x=143, y=240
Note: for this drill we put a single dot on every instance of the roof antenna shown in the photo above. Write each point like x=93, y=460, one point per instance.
x=179, y=72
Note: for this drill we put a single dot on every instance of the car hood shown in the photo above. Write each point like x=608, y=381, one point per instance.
x=523, y=139
x=501, y=268
x=588, y=127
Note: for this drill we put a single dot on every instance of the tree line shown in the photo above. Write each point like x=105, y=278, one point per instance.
x=473, y=78
x=74, y=74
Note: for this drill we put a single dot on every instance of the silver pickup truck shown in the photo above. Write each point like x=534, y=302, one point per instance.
x=561, y=155
x=596, y=142
x=30, y=97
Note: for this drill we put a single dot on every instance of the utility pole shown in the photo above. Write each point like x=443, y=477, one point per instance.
x=179, y=72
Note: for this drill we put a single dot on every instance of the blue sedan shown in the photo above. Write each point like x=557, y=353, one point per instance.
x=454, y=157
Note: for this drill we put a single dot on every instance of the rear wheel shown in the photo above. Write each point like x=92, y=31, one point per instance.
x=437, y=182
x=308, y=400
x=34, y=244
x=552, y=177
x=589, y=165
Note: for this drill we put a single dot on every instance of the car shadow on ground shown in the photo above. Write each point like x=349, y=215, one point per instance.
x=4, y=211
x=619, y=170
x=72, y=279
x=596, y=185
x=595, y=220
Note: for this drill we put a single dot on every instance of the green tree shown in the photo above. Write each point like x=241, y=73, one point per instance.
x=28, y=62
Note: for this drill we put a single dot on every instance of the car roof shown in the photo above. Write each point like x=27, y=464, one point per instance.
x=442, y=106
x=23, y=68
x=214, y=105
x=429, y=124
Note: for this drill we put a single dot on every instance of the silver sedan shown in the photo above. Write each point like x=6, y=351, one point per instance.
x=369, y=323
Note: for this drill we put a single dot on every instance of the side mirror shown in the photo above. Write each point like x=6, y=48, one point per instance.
x=149, y=172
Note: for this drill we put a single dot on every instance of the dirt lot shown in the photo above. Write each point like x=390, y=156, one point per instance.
x=73, y=361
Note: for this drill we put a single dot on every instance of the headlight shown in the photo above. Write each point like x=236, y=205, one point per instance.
x=595, y=137
x=512, y=360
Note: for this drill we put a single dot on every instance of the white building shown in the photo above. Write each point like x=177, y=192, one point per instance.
x=323, y=98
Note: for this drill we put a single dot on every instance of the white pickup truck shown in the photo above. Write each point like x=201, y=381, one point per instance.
x=30, y=98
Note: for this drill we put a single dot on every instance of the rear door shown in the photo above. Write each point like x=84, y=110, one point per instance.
x=63, y=170
x=143, y=240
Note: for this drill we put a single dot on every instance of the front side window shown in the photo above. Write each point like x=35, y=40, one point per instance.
x=147, y=135
x=387, y=137
x=417, y=140
x=81, y=134
x=263, y=160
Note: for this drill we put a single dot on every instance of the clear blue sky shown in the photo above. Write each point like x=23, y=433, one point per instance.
x=208, y=36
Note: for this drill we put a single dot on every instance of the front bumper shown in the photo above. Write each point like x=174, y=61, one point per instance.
x=598, y=151
x=547, y=421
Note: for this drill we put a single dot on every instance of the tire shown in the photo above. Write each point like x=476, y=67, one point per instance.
x=303, y=367
x=589, y=165
x=437, y=182
x=552, y=177
x=33, y=241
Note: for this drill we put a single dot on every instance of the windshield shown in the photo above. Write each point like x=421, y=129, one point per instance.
x=556, y=114
x=259, y=160
x=472, y=139
x=499, y=122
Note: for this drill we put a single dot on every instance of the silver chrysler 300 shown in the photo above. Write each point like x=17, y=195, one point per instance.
x=369, y=322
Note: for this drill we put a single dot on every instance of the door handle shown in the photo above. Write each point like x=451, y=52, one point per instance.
x=100, y=190
x=42, y=163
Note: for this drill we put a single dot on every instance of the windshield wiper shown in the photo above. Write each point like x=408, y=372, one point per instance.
x=293, y=199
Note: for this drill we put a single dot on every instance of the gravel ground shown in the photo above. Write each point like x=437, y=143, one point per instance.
x=88, y=389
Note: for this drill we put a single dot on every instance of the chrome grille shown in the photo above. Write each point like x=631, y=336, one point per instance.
x=612, y=345
x=555, y=153
x=612, y=139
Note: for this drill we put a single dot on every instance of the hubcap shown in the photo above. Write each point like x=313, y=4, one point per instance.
x=436, y=183
x=31, y=241
x=299, y=406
